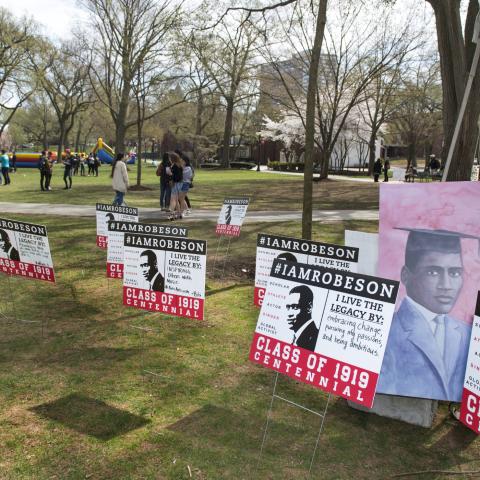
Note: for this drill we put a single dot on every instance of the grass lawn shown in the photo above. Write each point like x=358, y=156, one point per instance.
x=267, y=191
x=74, y=405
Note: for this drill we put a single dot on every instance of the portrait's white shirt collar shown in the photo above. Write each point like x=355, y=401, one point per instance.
x=301, y=330
x=426, y=314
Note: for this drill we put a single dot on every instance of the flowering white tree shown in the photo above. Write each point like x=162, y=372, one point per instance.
x=350, y=131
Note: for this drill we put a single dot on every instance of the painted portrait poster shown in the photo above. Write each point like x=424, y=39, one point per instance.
x=429, y=240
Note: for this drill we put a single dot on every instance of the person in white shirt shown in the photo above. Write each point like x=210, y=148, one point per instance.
x=119, y=177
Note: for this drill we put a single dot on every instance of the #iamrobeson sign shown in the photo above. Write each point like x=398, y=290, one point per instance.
x=470, y=408
x=165, y=274
x=231, y=216
x=25, y=251
x=270, y=247
x=325, y=327
x=116, y=233
x=108, y=213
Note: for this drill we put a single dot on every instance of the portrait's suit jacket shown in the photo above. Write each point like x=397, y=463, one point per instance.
x=413, y=365
x=13, y=254
x=308, y=338
x=159, y=284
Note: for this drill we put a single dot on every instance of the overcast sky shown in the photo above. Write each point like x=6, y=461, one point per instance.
x=59, y=17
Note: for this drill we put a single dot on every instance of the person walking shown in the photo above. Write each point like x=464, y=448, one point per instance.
x=165, y=173
x=14, y=161
x=186, y=160
x=377, y=169
x=5, y=161
x=177, y=180
x=386, y=168
x=119, y=177
x=67, y=172
x=187, y=178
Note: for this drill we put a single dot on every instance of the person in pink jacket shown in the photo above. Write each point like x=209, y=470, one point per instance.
x=119, y=177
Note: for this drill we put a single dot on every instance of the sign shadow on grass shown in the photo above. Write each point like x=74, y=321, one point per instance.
x=90, y=416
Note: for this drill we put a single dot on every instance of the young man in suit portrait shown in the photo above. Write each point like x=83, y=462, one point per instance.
x=9, y=251
x=299, y=317
x=149, y=268
x=427, y=348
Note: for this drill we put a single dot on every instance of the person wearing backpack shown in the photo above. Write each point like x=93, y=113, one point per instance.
x=165, y=173
x=45, y=171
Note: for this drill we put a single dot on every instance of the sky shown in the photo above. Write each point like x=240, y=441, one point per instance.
x=59, y=17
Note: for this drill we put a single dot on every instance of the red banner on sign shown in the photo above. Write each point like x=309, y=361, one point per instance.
x=330, y=375
x=470, y=410
x=162, y=302
x=27, y=270
x=114, y=270
x=258, y=295
x=102, y=241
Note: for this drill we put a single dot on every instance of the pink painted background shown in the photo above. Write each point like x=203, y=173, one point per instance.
x=449, y=206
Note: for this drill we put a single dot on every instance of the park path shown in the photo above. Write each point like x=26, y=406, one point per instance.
x=8, y=208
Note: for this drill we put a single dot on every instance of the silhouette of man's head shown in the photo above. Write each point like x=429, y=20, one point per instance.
x=5, y=243
x=288, y=257
x=148, y=264
x=299, y=307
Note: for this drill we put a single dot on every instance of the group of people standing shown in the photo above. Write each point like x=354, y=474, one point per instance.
x=378, y=167
x=176, y=179
x=72, y=163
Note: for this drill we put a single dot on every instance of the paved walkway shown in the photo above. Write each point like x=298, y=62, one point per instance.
x=8, y=209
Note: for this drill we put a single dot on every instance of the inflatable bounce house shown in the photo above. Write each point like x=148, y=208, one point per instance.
x=106, y=154
x=103, y=151
x=29, y=159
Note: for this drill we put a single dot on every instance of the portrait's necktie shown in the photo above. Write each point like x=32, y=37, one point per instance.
x=440, y=332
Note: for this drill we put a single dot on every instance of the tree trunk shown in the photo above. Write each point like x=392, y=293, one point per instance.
x=310, y=120
x=139, y=155
x=120, y=123
x=61, y=144
x=412, y=154
x=77, y=139
x=456, y=53
x=371, y=151
x=199, y=114
x=227, y=133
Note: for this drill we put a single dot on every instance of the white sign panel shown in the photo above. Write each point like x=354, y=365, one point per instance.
x=231, y=216
x=325, y=327
x=25, y=251
x=270, y=247
x=108, y=213
x=116, y=233
x=367, y=244
x=165, y=274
